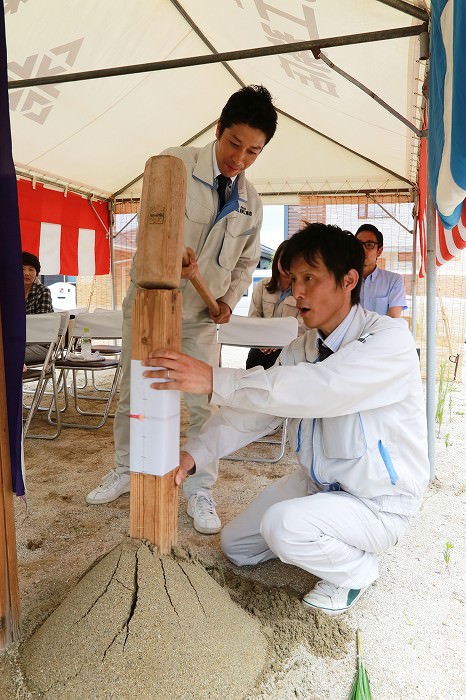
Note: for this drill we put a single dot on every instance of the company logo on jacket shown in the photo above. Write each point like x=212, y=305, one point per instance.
x=243, y=210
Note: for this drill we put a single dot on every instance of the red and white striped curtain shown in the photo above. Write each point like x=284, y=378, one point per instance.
x=64, y=230
x=447, y=138
x=449, y=242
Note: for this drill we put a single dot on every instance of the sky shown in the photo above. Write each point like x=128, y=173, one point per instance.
x=273, y=228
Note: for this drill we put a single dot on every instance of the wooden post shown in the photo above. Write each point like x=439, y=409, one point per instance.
x=154, y=499
x=10, y=609
x=156, y=324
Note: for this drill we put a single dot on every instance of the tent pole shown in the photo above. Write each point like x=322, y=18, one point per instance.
x=414, y=279
x=319, y=55
x=401, y=225
x=314, y=131
x=112, y=252
x=243, y=54
x=403, y=6
x=430, y=326
x=60, y=184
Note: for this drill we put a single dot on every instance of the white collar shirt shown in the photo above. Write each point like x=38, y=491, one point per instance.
x=216, y=170
x=335, y=339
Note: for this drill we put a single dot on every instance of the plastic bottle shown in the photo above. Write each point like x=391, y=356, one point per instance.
x=86, y=349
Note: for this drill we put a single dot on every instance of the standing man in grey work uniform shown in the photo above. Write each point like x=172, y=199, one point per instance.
x=222, y=226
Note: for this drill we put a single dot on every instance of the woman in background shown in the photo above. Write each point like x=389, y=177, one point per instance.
x=272, y=298
x=38, y=301
x=38, y=297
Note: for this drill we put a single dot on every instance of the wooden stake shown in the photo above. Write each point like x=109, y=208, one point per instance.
x=154, y=499
x=157, y=324
x=10, y=608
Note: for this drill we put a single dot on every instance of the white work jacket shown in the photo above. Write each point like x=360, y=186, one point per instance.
x=358, y=419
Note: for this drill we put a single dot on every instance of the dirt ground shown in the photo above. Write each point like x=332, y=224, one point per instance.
x=412, y=618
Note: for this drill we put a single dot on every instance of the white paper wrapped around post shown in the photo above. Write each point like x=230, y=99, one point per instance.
x=154, y=425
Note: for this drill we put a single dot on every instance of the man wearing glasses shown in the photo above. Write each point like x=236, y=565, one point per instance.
x=382, y=291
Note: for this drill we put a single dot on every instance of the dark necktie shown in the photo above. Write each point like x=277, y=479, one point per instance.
x=323, y=351
x=222, y=184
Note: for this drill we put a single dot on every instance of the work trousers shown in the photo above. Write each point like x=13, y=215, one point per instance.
x=257, y=358
x=199, y=339
x=332, y=535
x=35, y=354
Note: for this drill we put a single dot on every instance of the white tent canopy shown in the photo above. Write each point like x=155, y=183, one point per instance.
x=95, y=135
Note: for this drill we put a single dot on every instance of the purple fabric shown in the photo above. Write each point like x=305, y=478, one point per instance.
x=12, y=306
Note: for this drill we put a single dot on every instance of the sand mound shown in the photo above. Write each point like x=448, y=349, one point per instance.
x=138, y=625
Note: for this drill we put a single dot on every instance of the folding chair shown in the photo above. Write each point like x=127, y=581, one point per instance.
x=102, y=325
x=111, y=349
x=48, y=330
x=250, y=331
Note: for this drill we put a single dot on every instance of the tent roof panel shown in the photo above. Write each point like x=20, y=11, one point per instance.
x=99, y=133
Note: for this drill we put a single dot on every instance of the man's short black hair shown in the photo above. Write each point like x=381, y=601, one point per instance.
x=373, y=229
x=252, y=105
x=31, y=260
x=339, y=250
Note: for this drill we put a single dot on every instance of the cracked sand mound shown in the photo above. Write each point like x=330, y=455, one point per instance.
x=142, y=626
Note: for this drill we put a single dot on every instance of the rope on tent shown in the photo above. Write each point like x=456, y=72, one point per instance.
x=107, y=229
x=388, y=213
x=117, y=233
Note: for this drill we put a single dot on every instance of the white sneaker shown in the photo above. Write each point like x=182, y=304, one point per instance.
x=331, y=599
x=201, y=508
x=112, y=487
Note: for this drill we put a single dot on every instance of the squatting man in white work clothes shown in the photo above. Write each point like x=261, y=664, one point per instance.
x=357, y=424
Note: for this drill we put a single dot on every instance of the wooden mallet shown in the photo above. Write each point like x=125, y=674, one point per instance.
x=200, y=286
